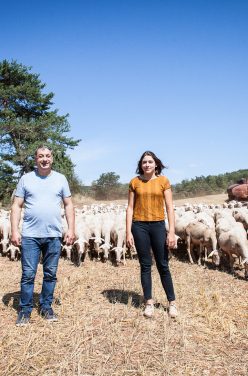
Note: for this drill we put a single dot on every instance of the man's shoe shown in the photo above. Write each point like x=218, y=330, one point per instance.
x=23, y=318
x=173, y=313
x=149, y=310
x=48, y=315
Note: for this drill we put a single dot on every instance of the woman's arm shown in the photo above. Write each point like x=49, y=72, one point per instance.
x=171, y=239
x=129, y=218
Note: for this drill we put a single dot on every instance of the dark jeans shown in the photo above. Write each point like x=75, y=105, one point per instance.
x=149, y=235
x=30, y=256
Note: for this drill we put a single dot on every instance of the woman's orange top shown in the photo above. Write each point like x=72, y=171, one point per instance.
x=149, y=198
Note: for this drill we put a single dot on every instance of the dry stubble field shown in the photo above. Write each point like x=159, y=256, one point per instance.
x=101, y=330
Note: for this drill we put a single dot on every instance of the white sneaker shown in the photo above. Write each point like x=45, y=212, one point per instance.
x=173, y=311
x=149, y=310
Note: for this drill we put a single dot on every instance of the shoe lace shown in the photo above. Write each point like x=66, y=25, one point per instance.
x=149, y=307
x=23, y=316
x=50, y=312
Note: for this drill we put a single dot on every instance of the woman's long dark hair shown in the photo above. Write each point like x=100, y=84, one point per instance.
x=159, y=163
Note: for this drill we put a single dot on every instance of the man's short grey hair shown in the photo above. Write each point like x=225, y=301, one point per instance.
x=43, y=146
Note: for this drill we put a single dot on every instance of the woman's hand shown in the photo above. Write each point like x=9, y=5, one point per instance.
x=129, y=240
x=171, y=240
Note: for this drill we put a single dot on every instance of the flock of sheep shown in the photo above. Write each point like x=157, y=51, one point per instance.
x=217, y=232
x=214, y=231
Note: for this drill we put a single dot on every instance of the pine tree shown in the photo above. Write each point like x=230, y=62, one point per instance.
x=7, y=182
x=27, y=121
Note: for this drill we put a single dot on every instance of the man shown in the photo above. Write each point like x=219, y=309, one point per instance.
x=41, y=191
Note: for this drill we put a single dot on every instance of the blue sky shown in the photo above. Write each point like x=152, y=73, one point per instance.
x=163, y=75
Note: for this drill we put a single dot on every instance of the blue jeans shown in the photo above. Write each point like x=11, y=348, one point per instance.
x=147, y=236
x=30, y=256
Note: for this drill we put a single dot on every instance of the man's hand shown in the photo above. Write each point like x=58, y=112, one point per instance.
x=69, y=237
x=16, y=239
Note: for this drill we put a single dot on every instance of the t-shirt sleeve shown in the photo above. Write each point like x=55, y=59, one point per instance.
x=65, y=188
x=166, y=183
x=131, y=186
x=20, y=189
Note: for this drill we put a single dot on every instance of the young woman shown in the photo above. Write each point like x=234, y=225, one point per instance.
x=149, y=195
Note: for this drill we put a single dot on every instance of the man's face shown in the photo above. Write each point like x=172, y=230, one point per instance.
x=44, y=159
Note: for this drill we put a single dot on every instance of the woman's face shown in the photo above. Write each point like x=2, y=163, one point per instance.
x=148, y=165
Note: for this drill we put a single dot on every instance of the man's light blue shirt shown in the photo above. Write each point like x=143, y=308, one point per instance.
x=42, y=198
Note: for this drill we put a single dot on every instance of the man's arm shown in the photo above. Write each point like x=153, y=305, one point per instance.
x=69, y=237
x=15, y=220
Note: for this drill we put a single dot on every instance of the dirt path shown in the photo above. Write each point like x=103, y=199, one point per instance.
x=210, y=199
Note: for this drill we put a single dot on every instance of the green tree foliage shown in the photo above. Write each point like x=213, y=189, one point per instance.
x=107, y=186
x=7, y=182
x=27, y=120
x=211, y=184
